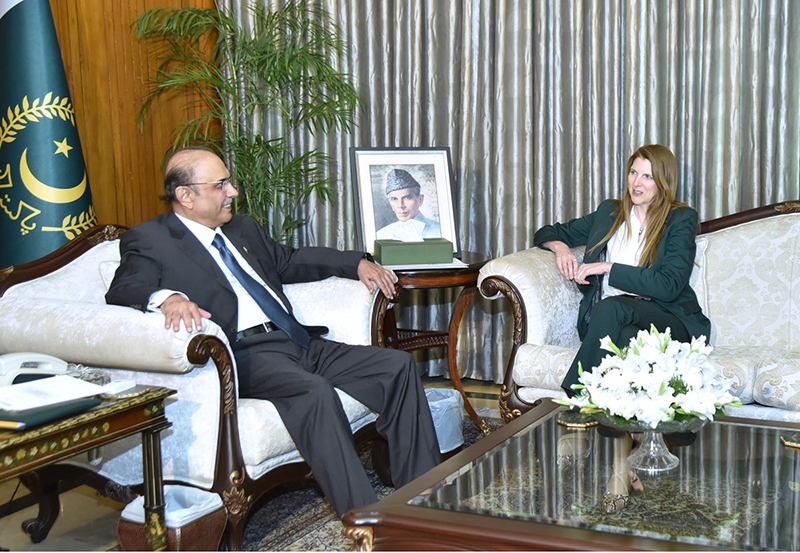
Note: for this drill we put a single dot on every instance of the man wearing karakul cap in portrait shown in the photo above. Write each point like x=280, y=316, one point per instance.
x=403, y=192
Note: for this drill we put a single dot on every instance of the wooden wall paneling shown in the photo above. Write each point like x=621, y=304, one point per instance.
x=137, y=169
x=107, y=71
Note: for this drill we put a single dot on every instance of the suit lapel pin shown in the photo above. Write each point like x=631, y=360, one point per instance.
x=245, y=249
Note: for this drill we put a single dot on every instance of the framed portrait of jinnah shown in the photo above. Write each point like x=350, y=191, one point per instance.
x=403, y=194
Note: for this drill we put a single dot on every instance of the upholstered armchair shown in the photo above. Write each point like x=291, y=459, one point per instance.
x=747, y=280
x=236, y=447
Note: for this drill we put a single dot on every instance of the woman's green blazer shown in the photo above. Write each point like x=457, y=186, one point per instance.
x=666, y=282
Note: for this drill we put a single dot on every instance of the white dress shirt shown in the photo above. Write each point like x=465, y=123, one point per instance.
x=250, y=314
x=627, y=251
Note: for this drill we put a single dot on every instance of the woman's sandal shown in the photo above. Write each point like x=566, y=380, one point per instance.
x=619, y=486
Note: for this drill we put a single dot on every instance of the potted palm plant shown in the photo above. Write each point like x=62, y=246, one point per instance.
x=263, y=83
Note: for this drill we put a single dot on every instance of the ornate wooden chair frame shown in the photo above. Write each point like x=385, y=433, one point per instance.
x=239, y=492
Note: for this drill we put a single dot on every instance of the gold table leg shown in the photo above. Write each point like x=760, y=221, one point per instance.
x=155, y=525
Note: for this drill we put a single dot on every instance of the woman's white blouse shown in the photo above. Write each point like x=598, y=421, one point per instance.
x=627, y=251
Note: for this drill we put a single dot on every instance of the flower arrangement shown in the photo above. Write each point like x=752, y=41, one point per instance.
x=653, y=379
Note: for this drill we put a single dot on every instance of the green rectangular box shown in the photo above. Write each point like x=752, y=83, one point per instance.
x=396, y=252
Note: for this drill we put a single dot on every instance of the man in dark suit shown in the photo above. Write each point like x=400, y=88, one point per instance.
x=201, y=261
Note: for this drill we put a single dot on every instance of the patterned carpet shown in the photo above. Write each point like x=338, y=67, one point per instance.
x=299, y=518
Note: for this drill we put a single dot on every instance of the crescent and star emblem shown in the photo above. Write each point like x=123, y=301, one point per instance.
x=46, y=192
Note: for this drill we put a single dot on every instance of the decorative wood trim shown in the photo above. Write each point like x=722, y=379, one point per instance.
x=510, y=404
x=235, y=499
x=107, y=233
x=788, y=207
x=152, y=400
x=362, y=537
x=379, y=311
x=493, y=285
x=410, y=339
x=118, y=492
x=749, y=215
x=507, y=413
x=204, y=347
x=5, y=273
x=231, y=480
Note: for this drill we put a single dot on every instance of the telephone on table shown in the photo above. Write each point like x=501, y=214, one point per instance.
x=16, y=368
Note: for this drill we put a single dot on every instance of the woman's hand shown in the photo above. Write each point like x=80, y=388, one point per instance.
x=588, y=269
x=565, y=259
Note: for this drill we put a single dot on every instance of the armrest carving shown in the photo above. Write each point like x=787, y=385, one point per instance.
x=548, y=300
x=105, y=234
x=493, y=285
x=231, y=480
x=5, y=273
x=379, y=310
x=201, y=348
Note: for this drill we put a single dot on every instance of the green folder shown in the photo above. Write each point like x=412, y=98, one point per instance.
x=20, y=419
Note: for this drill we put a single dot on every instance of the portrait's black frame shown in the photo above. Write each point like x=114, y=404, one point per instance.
x=358, y=189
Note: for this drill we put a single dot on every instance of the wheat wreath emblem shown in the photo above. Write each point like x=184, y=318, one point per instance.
x=18, y=118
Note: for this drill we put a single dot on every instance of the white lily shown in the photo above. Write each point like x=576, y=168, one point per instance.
x=653, y=377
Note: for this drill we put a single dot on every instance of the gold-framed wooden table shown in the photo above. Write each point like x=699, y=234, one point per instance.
x=537, y=485
x=23, y=453
x=386, y=333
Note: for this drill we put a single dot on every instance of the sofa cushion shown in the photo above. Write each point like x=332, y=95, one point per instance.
x=754, y=296
x=107, y=271
x=542, y=366
x=738, y=365
x=92, y=333
x=777, y=382
x=320, y=303
x=80, y=280
x=762, y=412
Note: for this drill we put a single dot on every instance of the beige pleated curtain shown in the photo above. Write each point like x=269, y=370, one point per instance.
x=541, y=103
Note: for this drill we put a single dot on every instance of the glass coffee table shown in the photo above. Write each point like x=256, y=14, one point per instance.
x=535, y=484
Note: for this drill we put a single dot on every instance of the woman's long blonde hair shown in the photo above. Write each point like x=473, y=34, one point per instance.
x=665, y=175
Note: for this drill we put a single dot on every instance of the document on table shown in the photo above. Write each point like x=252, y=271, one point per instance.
x=45, y=391
x=455, y=264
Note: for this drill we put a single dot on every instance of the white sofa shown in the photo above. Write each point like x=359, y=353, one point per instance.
x=238, y=448
x=747, y=279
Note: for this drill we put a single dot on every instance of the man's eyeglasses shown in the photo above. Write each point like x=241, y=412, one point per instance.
x=218, y=184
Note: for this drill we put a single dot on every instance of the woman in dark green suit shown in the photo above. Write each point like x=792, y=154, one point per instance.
x=638, y=259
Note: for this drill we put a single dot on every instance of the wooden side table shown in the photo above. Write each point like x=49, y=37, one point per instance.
x=23, y=453
x=386, y=333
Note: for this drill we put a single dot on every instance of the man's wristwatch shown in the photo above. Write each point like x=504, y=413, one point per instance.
x=368, y=257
